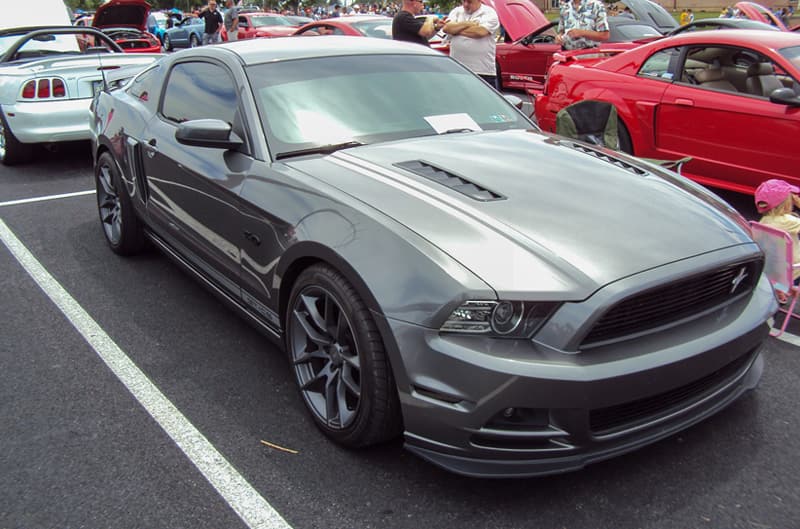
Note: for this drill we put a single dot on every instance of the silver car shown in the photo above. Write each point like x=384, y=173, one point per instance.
x=48, y=76
x=512, y=302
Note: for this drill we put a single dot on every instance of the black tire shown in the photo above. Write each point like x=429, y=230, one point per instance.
x=193, y=41
x=167, y=43
x=339, y=360
x=12, y=151
x=121, y=227
x=625, y=143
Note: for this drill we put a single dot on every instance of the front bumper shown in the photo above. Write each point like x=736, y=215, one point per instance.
x=49, y=121
x=508, y=408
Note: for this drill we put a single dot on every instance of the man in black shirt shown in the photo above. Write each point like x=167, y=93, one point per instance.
x=213, y=20
x=407, y=27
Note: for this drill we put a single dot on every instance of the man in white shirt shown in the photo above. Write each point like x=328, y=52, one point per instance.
x=473, y=27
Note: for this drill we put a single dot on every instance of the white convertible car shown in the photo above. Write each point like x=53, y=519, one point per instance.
x=48, y=77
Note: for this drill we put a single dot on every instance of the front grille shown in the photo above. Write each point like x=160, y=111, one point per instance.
x=628, y=415
x=659, y=307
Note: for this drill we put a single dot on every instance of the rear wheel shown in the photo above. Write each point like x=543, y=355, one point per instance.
x=122, y=228
x=339, y=361
x=193, y=41
x=12, y=151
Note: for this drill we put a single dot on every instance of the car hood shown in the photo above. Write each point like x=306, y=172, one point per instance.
x=758, y=12
x=276, y=31
x=562, y=222
x=117, y=13
x=520, y=18
x=651, y=13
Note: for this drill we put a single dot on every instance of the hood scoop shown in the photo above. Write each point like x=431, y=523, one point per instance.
x=607, y=158
x=448, y=179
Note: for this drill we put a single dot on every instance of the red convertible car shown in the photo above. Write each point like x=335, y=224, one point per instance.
x=730, y=100
x=528, y=45
x=125, y=21
x=357, y=25
x=262, y=25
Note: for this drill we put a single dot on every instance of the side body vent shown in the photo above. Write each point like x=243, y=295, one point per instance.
x=453, y=181
x=610, y=159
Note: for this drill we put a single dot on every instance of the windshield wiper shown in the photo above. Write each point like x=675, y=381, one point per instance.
x=322, y=149
x=458, y=130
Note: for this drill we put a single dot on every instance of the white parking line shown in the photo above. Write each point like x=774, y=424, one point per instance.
x=49, y=197
x=251, y=507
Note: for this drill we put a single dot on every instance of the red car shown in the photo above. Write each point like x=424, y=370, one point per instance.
x=528, y=45
x=262, y=25
x=728, y=99
x=125, y=21
x=357, y=25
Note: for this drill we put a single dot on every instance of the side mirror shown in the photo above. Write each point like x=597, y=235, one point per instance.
x=212, y=133
x=514, y=100
x=784, y=96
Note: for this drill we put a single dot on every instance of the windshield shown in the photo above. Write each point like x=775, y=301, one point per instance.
x=270, y=21
x=313, y=102
x=792, y=55
x=51, y=44
x=374, y=28
x=631, y=32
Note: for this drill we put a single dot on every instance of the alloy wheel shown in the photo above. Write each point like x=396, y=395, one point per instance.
x=2, y=140
x=109, y=204
x=325, y=357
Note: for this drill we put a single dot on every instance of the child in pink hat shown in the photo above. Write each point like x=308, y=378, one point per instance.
x=776, y=200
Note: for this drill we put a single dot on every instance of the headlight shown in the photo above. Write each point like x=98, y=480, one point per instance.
x=504, y=319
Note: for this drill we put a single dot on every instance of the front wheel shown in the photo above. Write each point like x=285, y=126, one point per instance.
x=12, y=151
x=193, y=41
x=625, y=143
x=339, y=361
x=167, y=43
x=122, y=228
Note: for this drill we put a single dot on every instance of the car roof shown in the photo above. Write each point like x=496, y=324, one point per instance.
x=256, y=51
x=741, y=37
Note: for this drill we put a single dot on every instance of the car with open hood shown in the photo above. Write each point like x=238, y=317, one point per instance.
x=511, y=302
x=48, y=76
x=125, y=21
x=730, y=100
x=529, y=38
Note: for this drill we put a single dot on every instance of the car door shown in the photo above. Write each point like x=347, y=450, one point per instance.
x=246, y=29
x=736, y=138
x=194, y=191
x=179, y=35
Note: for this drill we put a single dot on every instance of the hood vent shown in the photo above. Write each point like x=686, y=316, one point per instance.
x=454, y=182
x=610, y=159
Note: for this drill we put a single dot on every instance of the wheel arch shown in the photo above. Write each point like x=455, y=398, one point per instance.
x=308, y=253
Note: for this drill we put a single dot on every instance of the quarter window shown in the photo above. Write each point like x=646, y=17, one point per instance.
x=659, y=65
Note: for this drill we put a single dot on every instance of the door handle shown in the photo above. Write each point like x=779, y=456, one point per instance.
x=252, y=237
x=684, y=102
x=150, y=148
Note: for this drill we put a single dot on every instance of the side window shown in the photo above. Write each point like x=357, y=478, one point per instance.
x=145, y=88
x=660, y=65
x=200, y=90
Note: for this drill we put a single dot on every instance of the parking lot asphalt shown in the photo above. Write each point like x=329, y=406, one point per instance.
x=80, y=450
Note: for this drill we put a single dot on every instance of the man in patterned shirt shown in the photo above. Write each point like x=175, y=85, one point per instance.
x=582, y=24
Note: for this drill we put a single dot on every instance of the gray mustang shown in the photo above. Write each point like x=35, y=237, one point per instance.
x=514, y=303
